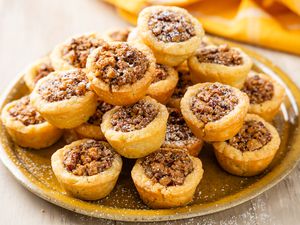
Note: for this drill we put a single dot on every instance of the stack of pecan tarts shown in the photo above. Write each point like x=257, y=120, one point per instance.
x=154, y=93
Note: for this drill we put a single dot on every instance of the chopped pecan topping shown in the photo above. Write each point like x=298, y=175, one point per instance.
x=134, y=117
x=222, y=54
x=253, y=136
x=25, y=113
x=258, y=89
x=102, y=108
x=77, y=51
x=120, y=64
x=88, y=158
x=167, y=167
x=161, y=73
x=43, y=70
x=64, y=85
x=120, y=35
x=213, y=102
x=170, y=26
x=183, y=83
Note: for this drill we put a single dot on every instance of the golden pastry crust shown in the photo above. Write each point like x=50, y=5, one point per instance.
x=270, y=107
x=248, y=163
x=156, y=195
x=74, y=51
x=85, y=187
x=171, y=53
x=118, y=34
x=162, y=89
x=234, y=74
x=134, y=36
x=127, y=93
x=64, y=113
x=217, y=130
x=36, y=71
x=40, y=135
x=139, y=142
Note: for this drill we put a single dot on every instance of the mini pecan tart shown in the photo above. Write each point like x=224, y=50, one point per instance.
x=36, y=71
x=120, y=73
x=171, y=32
x=222, y=64
x=214, y=111
x=251, y=150
x=91, y=128
x=120, y=34
x=27, y=127
x=164, y=83
x=182, y=85
x=265, y=95
x=167, y=178
x=73, y=52
x=64, y=98
x=179, y=135
x=136, y=130
x=87, y=169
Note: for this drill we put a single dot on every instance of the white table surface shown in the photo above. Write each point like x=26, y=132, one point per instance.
x=29, y=29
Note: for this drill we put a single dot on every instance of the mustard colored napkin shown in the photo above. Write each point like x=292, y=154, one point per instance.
x=270, y=23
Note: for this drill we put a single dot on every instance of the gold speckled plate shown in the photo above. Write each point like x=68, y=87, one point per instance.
x=217, y=191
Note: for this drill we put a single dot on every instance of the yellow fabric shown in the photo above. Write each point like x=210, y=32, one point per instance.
x=270, y=23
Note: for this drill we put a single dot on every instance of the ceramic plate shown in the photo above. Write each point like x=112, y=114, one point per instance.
x=217, y=191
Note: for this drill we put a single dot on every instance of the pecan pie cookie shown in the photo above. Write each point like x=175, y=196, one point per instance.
x=171, y=32
x=251, y=150
x=222, y=64
x=136, y=130
x=164, y=83
x=37, y=71
x=91, y=128
x=120, y=34
x=73, y=52
x=265, y=95
x=64, y=98
x=27, y=127
x=179, y=135
x=167, y=178
x=87, y=169
x=120, y=73
x=214, y=111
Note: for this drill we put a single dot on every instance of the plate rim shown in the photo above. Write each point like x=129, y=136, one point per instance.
x=147, y=215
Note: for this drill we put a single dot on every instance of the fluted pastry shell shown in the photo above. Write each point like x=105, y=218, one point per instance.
x=126, y=94
x=137, y=143
x=35, y=136
x=156, y=195
x=219, y=130
x=85, y=187
x=212, y=72
x=170, y=53
x=247, y=163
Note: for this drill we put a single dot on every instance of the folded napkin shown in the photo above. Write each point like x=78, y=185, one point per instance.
x=270, y=23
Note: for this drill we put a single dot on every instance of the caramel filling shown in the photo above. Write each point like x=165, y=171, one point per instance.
x=161, y=73
x=258, y=89
x=213, y=102
x=253, y=136
x=120, y=35
x=77, y=51
x=121, y=64
x=183, y=83
x=177, y=129
x=64, y=86
x=25, y=113
x=89, y=158
x=102, y=108
x=167, y=167
x=223, y=55
x=134, y=117
x=43, y=70
x=170, y=26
